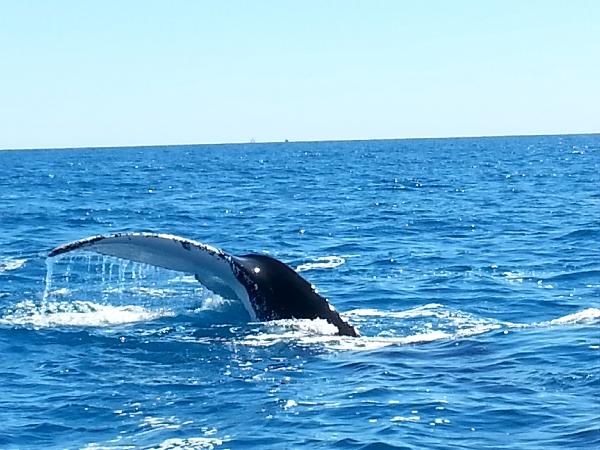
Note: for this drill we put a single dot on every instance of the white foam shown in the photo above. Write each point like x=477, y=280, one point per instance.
x=587, y=315
x=447, y=324
x=368, y=343
x=140, y=290
x=428, y=310
x=77, y=313
x=191, y=443
x=306, y=326
x=320, y=332
x=405, y=419
x=451, y=325
x=321, y=262
x=513, y=277
x=161, y=423
x=214, y=303
x=303, y=331
x=479, y=328
x=290, y=404
x=469, y=324
x=11, y=264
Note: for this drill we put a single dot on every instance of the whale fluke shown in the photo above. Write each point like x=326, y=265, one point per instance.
x=268, y=288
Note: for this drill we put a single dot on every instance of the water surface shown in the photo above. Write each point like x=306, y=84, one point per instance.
x=471, y=267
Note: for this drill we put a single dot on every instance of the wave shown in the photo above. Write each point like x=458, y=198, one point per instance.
x=581, y=234
x=582, y=275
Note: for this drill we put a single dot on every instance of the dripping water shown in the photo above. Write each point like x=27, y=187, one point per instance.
x=48, y=278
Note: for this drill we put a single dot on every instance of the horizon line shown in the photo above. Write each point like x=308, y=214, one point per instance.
x=286, y=141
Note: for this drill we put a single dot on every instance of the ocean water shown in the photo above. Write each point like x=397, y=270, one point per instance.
x=471, y=267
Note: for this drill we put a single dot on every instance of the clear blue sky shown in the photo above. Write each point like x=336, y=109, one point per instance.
x=102, y=73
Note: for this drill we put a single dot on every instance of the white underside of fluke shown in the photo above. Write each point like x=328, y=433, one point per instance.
x=212, y=267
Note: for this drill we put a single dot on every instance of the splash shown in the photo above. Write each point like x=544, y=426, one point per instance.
x=114, y=280
x=105, y=269
x=214, y=303
x=301, y=336
x=48, y=278
x=77, y=313
x=124, y=284
x=319, y=332
x=89, y=290
x=424, y=324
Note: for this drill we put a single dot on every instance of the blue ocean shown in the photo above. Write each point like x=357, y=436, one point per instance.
x=470, y=266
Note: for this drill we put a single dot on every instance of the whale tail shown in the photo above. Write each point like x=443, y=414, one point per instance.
x=268, y=288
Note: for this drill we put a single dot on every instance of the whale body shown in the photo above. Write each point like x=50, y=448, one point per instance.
x=268, y=288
